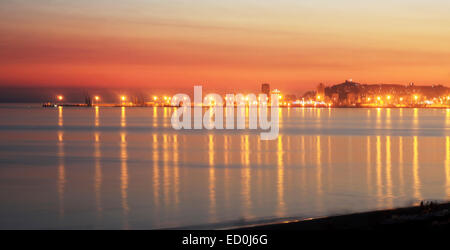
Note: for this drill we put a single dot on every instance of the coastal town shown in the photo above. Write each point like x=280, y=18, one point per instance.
x=344, y=95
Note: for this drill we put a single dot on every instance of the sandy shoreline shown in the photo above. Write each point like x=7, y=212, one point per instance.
x=428, y=215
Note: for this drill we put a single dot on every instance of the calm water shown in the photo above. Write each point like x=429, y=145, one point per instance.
x=126, y=168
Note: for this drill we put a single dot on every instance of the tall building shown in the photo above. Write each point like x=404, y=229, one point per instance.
x=320, y=94
x=265, y=89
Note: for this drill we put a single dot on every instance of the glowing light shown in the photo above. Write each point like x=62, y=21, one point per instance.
x=60, y=97
x=123, y=98
x=155, y=98
x=368, y=99
x=388, y=97
x=378, y=98
x=401, y=99
x=318, y=97
x=416, y=97
x=97, y=98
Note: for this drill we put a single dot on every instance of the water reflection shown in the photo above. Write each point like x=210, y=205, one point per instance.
x=389, y=172
x=400, y=166
x=329, y=167
x=212, y=178
x=319, y=174
x=318, y=111
x=176, y=170
x=98, y=173
x=166, y=175
x=378, y=171
x=369, y=167
x=416, y=176
x=379, y=118
x=447, y=166
x=61, y=173
x=155, y=117
x=388, y=118
x=258, y=152
x=200, y=178
x=447, y=117
x=166, y=117
x=124, y=177
x=416, y=118
x=245, y=175
x=303, y=164
x=155, y=161
x=227, y=146
x=280, y=177
x=60, y=116
x=123, y=117
x=97, y=116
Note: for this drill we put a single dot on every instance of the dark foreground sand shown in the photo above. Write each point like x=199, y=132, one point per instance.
x=428, y=215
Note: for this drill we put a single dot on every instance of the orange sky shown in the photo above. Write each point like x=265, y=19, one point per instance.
x=225, y=45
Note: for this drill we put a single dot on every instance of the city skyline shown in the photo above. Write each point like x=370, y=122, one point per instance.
x=346, y=94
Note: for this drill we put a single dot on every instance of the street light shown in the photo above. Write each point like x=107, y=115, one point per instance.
x=96, y=99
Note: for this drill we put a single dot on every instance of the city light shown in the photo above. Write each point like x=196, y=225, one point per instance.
x=379, y=98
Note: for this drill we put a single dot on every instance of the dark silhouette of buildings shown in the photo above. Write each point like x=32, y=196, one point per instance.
x=265, y=89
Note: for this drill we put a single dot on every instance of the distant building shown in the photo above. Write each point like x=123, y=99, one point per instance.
x=265, y=89
x=353, y=93
x=351, y=98
x=320, y=92
x=290, y=98
x=335, y=98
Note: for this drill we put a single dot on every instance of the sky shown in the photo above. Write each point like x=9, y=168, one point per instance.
x=223, y=45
